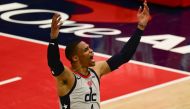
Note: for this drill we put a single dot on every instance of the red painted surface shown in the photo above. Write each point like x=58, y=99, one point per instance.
x=37, y=87
x=102, y=12
x=131, y=77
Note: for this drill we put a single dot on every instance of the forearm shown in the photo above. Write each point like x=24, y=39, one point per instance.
x=53, y=56
x=130, y=47
x=127, y=51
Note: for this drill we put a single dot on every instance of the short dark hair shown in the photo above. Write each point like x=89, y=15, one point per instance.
x=71, y=50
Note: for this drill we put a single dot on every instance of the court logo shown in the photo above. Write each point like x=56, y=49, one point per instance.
x=165, y=42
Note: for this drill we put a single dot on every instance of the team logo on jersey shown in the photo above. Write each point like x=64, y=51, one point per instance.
x=90, y=96
x=89, y=83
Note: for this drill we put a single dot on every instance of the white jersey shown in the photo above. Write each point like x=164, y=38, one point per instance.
x=85, y=93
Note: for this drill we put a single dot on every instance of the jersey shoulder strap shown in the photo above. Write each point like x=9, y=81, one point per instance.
x=92, y=70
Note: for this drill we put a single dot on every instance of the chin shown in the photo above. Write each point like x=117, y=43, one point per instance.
x=92, y=64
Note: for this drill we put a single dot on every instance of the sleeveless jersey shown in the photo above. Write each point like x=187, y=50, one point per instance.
x=85, y=93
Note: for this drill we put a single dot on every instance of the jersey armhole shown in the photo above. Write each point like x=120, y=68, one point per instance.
x=74, y=85
x=95, y=74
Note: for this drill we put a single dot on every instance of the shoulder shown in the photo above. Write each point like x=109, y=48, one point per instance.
x=101, y=68
x=65, y=81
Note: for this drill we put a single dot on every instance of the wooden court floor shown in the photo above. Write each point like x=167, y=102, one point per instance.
x=175, y=96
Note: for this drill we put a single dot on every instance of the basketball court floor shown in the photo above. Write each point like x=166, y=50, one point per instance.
x=158, y=76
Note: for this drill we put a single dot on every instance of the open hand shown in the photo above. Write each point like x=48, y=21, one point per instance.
x=143, y=16
x=55, y=25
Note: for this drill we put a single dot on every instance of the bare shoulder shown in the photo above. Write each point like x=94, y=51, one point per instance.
x=101, y=68
x=66, y=74
x=65, y=81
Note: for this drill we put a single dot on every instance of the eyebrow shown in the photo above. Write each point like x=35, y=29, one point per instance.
x=86, y=48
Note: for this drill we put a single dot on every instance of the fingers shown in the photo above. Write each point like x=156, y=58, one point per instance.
x=145, y=9
x=55, y=16
x=146, y=6
x=140, y=10
x=59, y=25
x=145, y=1
x=56, y=20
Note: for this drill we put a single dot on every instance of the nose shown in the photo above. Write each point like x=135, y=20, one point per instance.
x=91, y=51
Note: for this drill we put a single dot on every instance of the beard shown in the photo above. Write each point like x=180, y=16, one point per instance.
x=91, y=63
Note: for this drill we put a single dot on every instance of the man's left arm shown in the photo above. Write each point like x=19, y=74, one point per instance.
x=128, y=49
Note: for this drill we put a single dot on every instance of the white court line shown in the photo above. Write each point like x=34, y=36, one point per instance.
x=144, y=90
x=149, y=65
x=98, y=54
x=107, y=56
x=10, y=80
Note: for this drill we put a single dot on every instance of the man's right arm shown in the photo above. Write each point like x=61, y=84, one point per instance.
x=64, y=77
x=53, y=56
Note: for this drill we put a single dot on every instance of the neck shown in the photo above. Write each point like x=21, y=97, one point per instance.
x=80, y=69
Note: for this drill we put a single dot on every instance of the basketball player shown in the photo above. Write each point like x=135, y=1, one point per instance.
x=78, y=86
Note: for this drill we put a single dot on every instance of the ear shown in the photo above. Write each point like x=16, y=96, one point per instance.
x=75, y=58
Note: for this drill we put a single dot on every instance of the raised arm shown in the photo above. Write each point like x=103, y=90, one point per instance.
x=64, y=77
x=129, y=48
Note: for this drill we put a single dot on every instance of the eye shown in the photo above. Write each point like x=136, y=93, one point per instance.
x=86, y=49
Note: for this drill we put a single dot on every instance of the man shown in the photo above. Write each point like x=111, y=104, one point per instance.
x=78, y=86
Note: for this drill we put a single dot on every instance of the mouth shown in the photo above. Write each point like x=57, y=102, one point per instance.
x=92, y=58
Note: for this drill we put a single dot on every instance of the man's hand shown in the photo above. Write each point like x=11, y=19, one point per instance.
x=55, y=25
x=143, y=16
